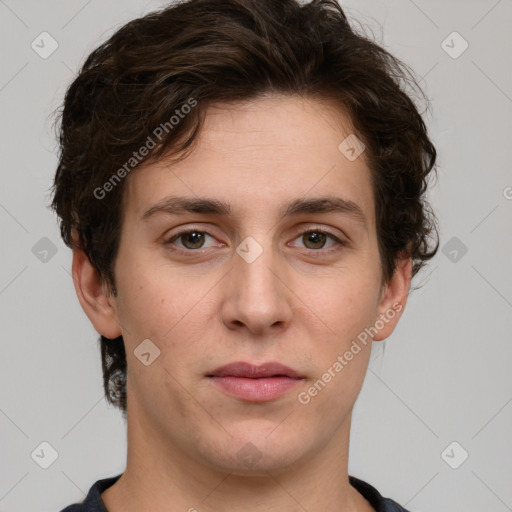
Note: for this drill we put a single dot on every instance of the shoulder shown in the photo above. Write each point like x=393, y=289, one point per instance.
x=376, y=500
x=77, y=507
x=93, y=502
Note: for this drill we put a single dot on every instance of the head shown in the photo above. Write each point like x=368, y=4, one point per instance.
x=247, y=104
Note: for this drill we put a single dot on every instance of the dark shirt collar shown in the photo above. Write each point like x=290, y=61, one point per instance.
x=94, y=503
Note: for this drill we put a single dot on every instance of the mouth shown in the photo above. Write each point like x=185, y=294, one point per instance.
x=250, y=371
x=252, y=383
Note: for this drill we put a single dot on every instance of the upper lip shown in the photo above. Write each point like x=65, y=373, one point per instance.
x=248, y=370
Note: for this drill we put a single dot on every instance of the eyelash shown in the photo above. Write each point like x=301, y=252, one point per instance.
x=323, y=252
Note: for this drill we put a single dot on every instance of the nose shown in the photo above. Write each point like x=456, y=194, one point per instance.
x=256, y=296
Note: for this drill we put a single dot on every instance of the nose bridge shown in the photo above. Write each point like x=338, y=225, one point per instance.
x=255, y=267
x=257, y=297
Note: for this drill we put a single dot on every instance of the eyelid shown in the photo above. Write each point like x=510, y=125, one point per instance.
x=170, y=238
x=323, y=229
x=339, y=240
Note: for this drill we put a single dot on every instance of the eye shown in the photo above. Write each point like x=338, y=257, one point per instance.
x=190, y=240
x=316, y=239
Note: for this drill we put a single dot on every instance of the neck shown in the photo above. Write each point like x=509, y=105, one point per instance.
x=160, y=476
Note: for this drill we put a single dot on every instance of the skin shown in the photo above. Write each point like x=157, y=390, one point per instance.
x=296, y=303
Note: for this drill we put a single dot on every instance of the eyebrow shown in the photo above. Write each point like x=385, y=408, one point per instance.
x=174, y=205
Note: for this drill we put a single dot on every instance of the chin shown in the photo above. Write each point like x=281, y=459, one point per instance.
x=257, y=454
x=255, y=463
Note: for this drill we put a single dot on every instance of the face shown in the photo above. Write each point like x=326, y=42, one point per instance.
x=256, y=284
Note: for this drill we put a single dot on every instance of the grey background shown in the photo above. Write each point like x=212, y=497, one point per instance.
x=443, y=376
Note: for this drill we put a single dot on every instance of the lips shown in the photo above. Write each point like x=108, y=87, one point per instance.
x=250, y=383
x=249, y=371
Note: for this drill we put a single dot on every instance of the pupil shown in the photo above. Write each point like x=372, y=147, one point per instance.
x=194, y=238
x=316, y=238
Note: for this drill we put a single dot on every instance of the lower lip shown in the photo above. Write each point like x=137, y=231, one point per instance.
x=255, y=390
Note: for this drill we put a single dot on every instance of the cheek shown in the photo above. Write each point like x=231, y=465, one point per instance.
x=165, y=308
x=345, y=303
x=170, y=309
x=146, y=308
x=340, y=357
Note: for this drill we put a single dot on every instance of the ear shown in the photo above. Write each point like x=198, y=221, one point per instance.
x=92, y=294
x=393, y=299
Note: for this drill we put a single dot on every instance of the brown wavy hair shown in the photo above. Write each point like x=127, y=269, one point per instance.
x=228, y=51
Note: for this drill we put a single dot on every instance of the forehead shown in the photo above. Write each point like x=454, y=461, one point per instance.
x=261, y=154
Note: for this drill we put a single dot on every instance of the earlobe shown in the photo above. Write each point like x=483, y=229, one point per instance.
x=93, y=297
x=393, y=299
